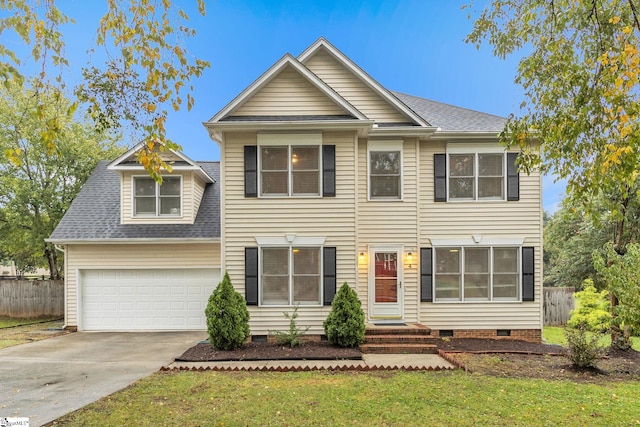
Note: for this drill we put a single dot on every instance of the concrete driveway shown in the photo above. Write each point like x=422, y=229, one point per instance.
x=46, y=379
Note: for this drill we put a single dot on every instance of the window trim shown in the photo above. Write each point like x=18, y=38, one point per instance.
x=290, y=247
x=157, y=213
x=289, y=140
x=476, y=176
x=385, y=146
x=491, y=299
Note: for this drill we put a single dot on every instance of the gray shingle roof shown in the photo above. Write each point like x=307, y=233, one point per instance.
x=95, y=212
x=451, y=118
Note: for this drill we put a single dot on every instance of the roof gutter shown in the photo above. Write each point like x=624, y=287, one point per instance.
x=125, y=241
x=466, y=135
x=414, y=131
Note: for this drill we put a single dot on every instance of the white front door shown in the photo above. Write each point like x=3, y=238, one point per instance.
x=386, y=294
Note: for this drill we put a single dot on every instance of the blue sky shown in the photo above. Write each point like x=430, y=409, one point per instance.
x=411, y=46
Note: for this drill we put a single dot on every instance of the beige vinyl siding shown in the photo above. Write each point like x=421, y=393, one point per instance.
x=353, y=89
x=126, y=201
x=330, y=217
x=491, y=220
x=123, y=256
x=289, y=93
x=198, y=191
x=389, y=222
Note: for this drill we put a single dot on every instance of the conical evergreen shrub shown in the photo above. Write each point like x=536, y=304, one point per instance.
x=344, y=326
x=227, y=317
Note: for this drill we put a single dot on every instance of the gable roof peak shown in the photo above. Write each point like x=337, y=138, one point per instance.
x=128, y=160
x=287, y=60
x=323, y=44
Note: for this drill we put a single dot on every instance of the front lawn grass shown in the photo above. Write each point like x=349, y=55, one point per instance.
x=10, y=322
x=555, y=335
x=359, y=399
x=21, y=331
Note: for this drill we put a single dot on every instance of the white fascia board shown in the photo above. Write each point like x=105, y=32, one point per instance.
x=132, y=241
x=114, y=164
x=193, y=166
x=266, y=77
x=366, y=78
x=197, y=169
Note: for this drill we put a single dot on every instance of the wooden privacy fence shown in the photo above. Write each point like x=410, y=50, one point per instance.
x=31, y=298
x=558, y=303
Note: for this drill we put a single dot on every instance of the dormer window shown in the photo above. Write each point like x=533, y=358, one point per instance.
x=153, y=199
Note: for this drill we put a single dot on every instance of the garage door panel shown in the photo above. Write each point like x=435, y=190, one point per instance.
x=146, y=299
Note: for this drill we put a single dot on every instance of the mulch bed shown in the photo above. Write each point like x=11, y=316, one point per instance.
x=323, y=350
x=495, y=357
x=314, y=350
x=482, y=345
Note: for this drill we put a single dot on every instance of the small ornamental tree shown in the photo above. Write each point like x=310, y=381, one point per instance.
x=344, y=326
x=227, y=317
x=592, y=313
x=293, y=336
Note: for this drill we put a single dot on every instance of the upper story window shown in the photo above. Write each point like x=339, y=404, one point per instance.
x=385, y=169
x=153, y=199
x=477, y=274
x=478, y=176
x=289, y=165
x=290, y=170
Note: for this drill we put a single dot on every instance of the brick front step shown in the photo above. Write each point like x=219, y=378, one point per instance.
x=398, y=330
x=398, y=339
x=399, y=348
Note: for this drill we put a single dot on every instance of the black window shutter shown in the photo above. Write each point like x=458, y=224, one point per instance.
x=513, y=178
x=329, y=278
x=426, y=275
x=328, y=170
x=250, y=171
x=251, y=275
x=440, y=177
x=528, y=274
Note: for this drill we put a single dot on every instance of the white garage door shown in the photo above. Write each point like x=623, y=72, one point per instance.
x=145, y=299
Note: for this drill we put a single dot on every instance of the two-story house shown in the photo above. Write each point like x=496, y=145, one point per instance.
x=325, y=177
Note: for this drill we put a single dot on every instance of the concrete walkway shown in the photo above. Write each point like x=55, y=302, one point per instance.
x=430, y=362
x=46, y=379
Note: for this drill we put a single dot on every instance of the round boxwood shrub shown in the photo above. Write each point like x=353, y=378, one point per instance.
x=227, y=317
x=344, y=326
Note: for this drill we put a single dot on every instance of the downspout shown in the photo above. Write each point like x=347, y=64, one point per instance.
x=64, y=254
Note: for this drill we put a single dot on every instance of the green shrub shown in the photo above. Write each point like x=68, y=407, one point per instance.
x=227, y=317
x=593, y=309
x=291, y=337
x=583, y=347
x=344, y=326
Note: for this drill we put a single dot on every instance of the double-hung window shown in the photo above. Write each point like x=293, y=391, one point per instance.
x=385, y=169
x=153, y=199
x=477, y=274
x=477, y=176
x=291, y=275
x=290, y=165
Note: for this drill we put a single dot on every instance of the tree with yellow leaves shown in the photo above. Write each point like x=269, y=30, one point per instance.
x=580, y=75
x=146, y=74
